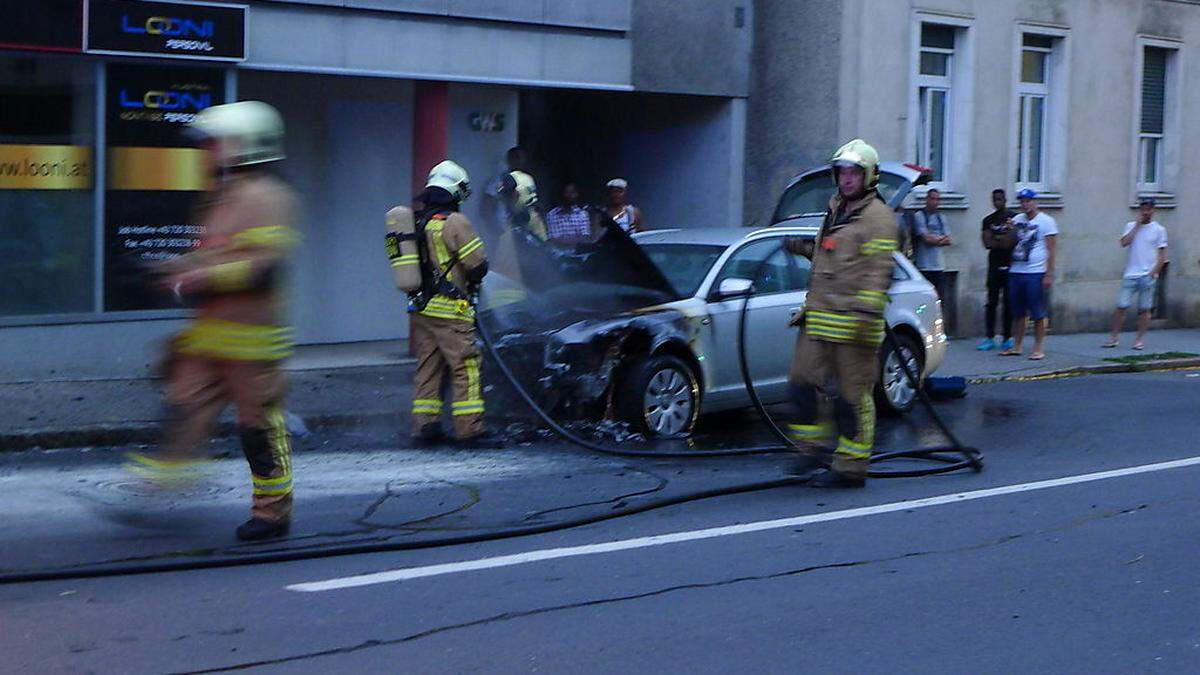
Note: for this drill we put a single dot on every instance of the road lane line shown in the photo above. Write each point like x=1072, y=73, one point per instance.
x=406, y=574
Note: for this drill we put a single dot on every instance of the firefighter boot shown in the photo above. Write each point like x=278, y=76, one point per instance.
x=836, y=479
x=429, y=435
x=257, y=529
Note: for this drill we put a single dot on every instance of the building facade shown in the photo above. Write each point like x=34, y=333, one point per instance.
x=96, y=180
x=1085, y=101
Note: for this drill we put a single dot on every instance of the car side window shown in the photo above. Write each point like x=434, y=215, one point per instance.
x=899, y=273
x=771, y=268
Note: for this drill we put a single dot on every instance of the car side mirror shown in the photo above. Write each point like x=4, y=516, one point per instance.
x=734, y=288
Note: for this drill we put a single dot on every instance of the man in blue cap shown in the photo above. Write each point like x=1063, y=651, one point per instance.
x=1031, y=273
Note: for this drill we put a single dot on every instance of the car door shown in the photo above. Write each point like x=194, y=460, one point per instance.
x=781, y=283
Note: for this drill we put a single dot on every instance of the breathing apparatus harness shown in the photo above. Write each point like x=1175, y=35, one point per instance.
x=434, y=281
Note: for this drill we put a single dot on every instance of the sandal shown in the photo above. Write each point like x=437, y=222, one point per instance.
x=1110, y=344
x=1037, y=356
x=1010, y=352
x=1138, y=346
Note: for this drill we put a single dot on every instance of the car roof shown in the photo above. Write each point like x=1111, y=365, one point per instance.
x=718, y=236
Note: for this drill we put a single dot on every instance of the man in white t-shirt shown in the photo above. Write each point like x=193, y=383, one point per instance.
x=1031, y=273
x=1147, y=244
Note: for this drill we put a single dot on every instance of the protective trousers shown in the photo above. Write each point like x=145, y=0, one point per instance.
x=199, y=388
x=833, y=395
x=440, y=343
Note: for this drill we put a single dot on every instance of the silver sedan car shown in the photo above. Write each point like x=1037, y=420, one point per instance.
x=713, y=269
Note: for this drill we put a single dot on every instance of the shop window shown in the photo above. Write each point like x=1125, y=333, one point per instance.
x=47, y=223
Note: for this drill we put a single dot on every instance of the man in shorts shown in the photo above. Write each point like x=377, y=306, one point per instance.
x=1031, y=273
x=1147, y=244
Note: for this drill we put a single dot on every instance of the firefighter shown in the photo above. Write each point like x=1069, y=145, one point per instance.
x=518, y=192
x=835, y=367
x=232, y=350
x=443, y=314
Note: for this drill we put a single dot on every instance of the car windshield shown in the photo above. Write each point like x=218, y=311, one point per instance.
x=684, y=265
x=810, y=195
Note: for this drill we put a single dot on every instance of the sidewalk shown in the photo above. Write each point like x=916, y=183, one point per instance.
x=341, y=386
x=1076, y=353
x=331, y=385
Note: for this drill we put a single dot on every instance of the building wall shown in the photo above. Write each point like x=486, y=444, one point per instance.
x=321, y=38
x=876, y=69
x=792, y=109
x=605, y=15
x=693, y=46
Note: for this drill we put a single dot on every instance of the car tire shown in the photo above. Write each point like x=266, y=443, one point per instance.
x=659, y=396
x=894, y=394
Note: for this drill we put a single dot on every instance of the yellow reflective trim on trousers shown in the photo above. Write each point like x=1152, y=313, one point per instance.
x=273, y=236
x=231, y=276
x=832, y=317
x=474, y=382
x=218, y=338
x=280, y=439
x=426, y=406
x=851, y=452
x=810, y=431
x=470, y=247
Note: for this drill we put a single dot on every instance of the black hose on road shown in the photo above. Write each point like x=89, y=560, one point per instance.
x=968, y=458
x=953, y=457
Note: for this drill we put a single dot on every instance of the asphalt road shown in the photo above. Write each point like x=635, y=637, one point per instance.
x=999, y=572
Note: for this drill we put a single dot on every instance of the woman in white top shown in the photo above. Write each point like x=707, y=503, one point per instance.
x=628, y=216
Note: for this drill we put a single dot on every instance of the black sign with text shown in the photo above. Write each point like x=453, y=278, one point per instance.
x=49, y=25
x=182, y=30
x=155, y=177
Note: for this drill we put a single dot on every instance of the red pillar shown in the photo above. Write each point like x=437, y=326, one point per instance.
x=431, y=129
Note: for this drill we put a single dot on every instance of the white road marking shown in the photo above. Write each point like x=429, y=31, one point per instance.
x=406, y=574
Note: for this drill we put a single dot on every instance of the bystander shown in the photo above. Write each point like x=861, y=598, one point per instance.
x=1147, y=244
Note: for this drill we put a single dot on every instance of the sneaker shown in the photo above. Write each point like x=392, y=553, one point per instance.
x=986, y=345
x=257, y=529
x=1008, y=344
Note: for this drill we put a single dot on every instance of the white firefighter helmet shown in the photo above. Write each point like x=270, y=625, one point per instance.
x=452, y=178
x=525, y=193
x=859, y=153
x=248, y=132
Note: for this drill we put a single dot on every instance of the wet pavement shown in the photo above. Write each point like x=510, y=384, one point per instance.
x=1094, y=576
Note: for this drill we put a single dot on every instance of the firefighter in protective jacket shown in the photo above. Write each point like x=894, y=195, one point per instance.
x=232, y=350
x=835, y=368
x=442, y=312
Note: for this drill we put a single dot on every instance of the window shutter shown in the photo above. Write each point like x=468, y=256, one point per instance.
x=1154, y=89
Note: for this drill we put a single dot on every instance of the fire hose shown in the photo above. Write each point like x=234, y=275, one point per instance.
x=223, y=558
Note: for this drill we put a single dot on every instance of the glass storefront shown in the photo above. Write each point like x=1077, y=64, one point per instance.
x=71, y=244
x=47, y=201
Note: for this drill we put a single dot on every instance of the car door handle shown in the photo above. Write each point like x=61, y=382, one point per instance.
x=795, y=311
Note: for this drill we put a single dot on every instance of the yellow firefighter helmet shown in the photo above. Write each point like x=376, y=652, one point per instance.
x=859, y=153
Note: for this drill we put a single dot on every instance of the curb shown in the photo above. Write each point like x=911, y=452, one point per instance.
x=1100, y=369
x=144, y=432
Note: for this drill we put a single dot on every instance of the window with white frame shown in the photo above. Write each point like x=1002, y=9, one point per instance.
x=1033, y=105
x=935, y=75
x=1154, y=132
